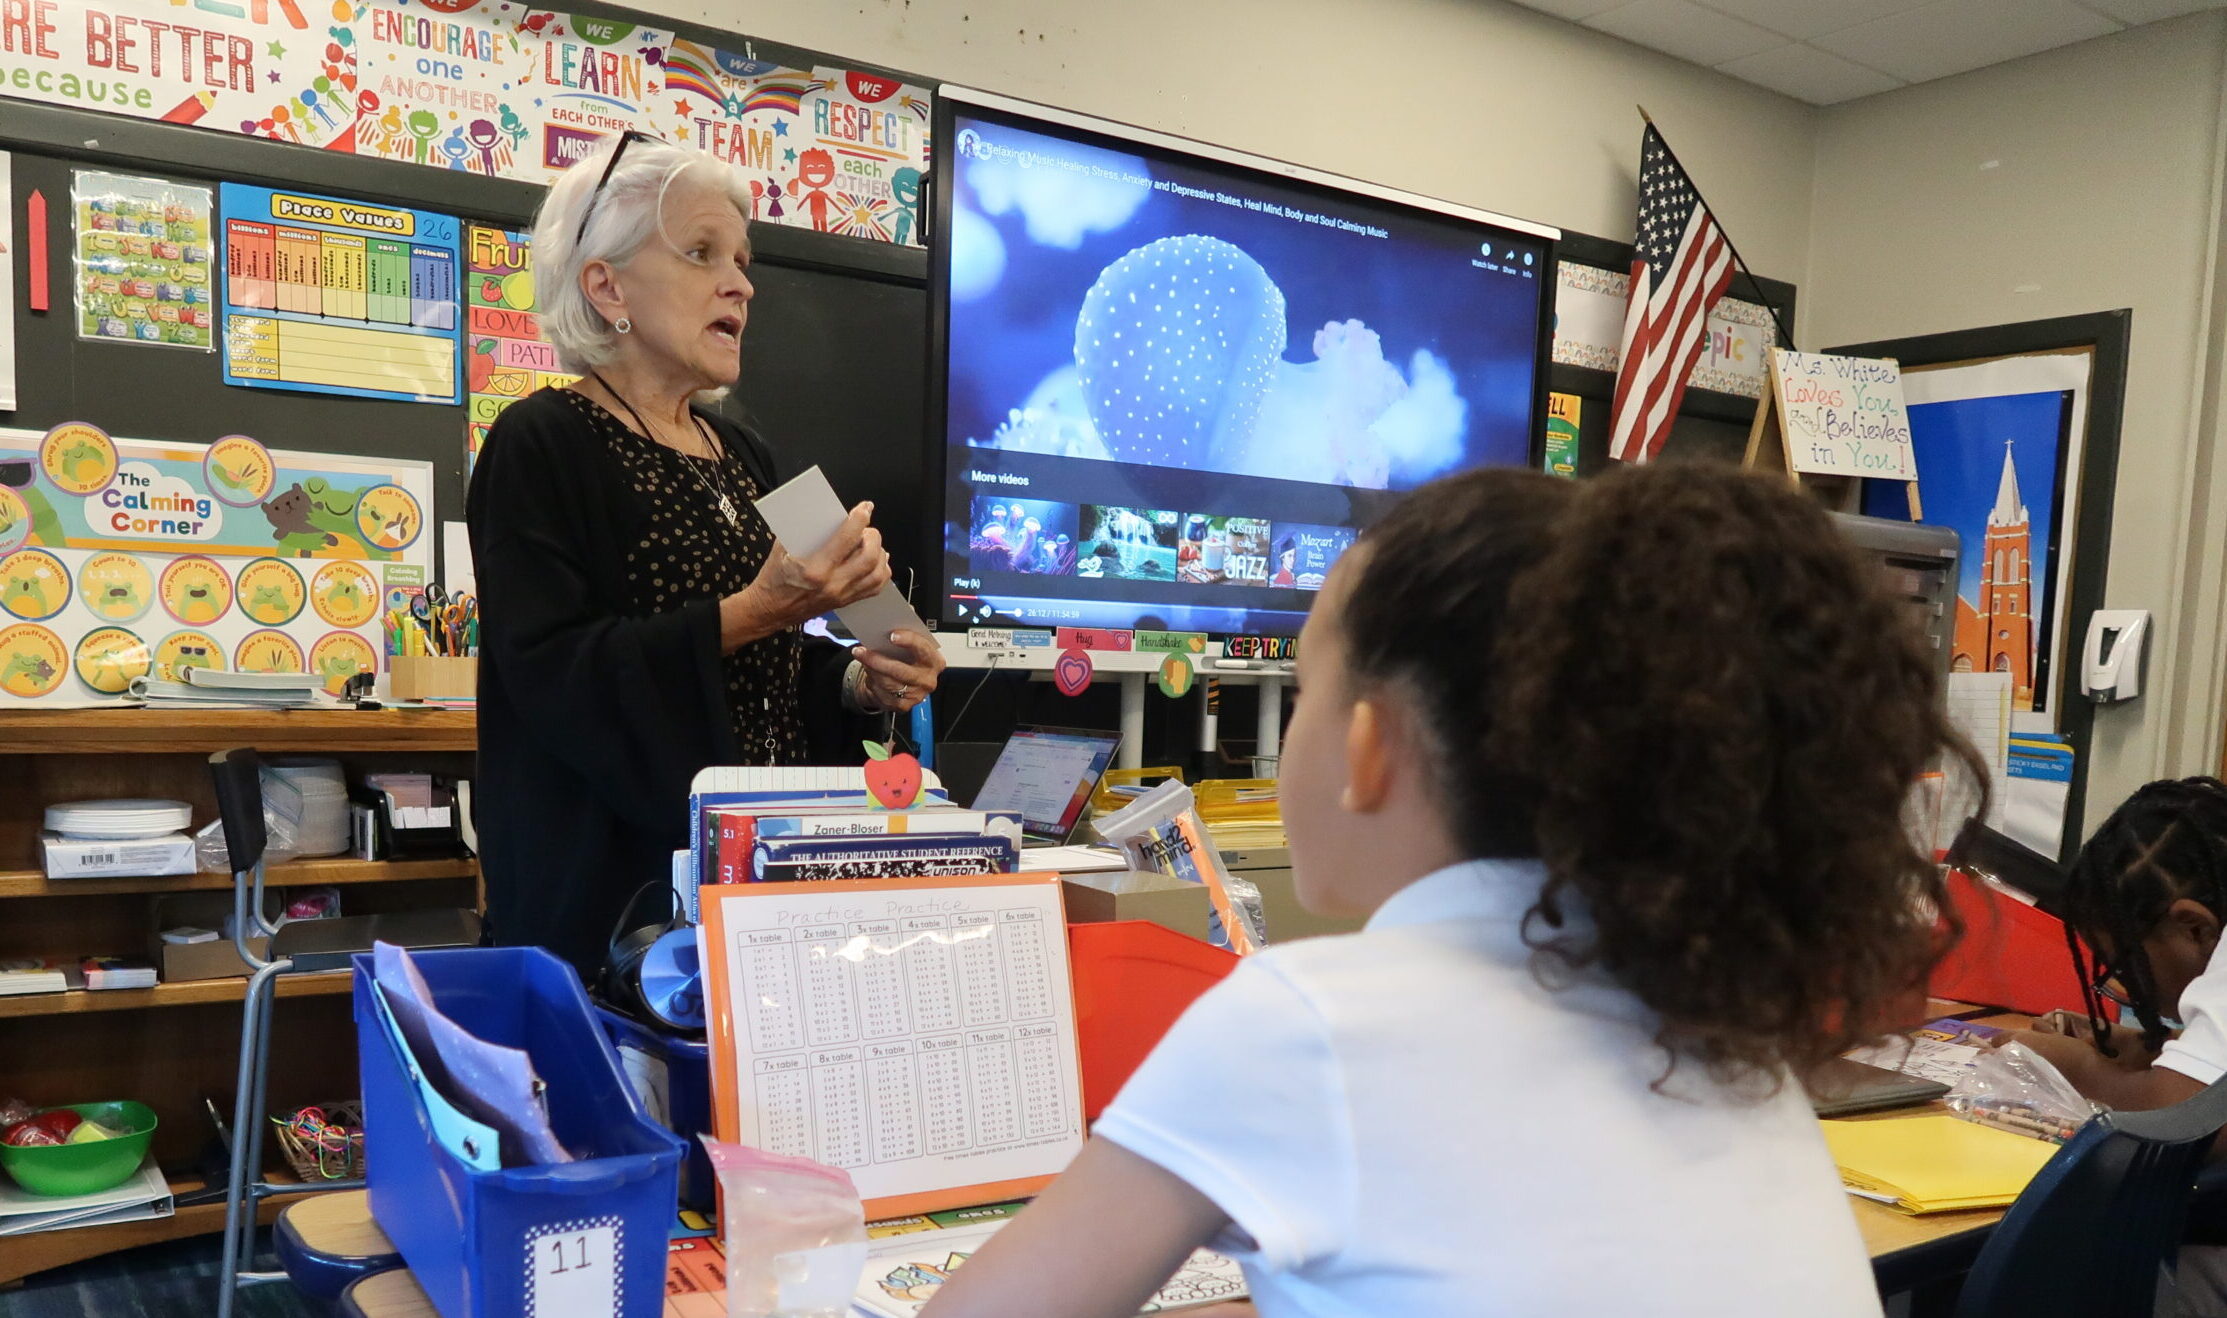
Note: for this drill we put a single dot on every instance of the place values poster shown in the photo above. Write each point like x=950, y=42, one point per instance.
x=142, y=260
x=332, y=296
x=125, y=558
x=504, y=357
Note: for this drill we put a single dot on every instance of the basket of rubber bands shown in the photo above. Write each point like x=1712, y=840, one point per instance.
x=323, y=1142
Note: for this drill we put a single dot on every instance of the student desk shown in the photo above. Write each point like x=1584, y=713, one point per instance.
x=1929, y=1253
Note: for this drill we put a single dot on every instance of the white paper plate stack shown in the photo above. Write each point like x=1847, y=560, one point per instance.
x=324, y=788
x=118, y=821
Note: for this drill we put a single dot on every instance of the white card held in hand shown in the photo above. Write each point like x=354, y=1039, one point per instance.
x=805, y=515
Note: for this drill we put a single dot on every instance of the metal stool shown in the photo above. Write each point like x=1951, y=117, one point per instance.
x=298, y=947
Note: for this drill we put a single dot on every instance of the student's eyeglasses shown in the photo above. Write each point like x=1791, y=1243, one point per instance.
x=587, y=212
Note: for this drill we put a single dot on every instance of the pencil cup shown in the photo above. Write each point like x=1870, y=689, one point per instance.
x=434, y=677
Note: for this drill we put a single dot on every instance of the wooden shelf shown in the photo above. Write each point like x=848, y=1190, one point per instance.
x=185, y=994
x=34, y=883
x=35, y=1253
x=144, y=731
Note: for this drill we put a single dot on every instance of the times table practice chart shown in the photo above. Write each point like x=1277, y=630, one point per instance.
x=918, y=1033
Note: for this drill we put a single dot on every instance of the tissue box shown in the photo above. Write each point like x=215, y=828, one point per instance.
x=82, y=858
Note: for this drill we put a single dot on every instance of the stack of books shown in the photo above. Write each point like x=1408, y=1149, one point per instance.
x=112, y=972
x=1243, y=814
x=38, y=975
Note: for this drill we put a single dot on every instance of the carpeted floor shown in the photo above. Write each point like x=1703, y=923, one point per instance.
x=170, y=1280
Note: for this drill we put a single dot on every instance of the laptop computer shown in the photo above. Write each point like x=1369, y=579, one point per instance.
x=1047, y=775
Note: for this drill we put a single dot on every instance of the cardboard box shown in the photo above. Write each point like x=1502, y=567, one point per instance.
x=1168, y=902
x=433, y=677
x=205, y=910
x=82, y=858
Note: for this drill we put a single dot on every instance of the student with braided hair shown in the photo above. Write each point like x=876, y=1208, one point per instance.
x=2149, y=894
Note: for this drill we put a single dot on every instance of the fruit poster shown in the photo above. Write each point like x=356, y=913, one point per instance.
x=124, y=558
x=327, y=295
x=142, y=260
x=825, y=149
x=504, y=357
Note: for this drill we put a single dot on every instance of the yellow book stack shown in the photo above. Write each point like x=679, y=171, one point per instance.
x=1934, y=1164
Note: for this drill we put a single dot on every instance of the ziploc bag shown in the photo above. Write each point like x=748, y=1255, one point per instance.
x=2016, y=1089
x=487, y=1082
x=1161, y=832
x=796, y=1234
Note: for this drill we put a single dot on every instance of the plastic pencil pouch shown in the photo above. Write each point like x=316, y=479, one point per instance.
x=796, y=1234
x=1161, y=832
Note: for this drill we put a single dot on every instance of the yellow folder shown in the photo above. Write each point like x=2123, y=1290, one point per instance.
x=1935, y=1164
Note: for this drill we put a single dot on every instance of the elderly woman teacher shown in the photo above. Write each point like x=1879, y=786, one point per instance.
x=639, y=621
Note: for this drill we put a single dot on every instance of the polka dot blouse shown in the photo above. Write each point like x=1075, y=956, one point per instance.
x=690, y=551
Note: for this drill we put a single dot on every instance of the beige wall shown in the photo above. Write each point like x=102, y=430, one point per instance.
x=2081, y=180
x=2078, y=180
x=1475, y=101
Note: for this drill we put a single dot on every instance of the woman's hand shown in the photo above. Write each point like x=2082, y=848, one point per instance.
x=790, y=592
x=896, y=685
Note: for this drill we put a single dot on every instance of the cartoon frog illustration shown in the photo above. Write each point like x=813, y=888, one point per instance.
x=268, y=604
x=199, y=603
x=114, y=589
x=26, y=674
x=24, y=593
x=289, y=515
x=82, y=461
x=188, y=656
x=336, y=669
x=344, y=596
x=106, y=669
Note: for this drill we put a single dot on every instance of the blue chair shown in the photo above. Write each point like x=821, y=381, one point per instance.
x=2089, y=1236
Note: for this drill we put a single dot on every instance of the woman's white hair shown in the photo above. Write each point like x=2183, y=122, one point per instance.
x=629, y=211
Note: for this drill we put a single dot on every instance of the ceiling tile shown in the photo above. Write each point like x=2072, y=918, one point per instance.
x=2137, y=12
x=1807, y=74
x=1686, y=30
x=1577, y=11
x=1952, y=36
x=1802, y=19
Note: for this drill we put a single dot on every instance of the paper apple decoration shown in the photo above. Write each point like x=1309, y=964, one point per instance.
x=893, y=779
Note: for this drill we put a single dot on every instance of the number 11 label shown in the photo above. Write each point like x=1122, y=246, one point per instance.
x=574, y=1269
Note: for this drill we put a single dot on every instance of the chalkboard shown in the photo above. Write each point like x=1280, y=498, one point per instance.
x=834, y=360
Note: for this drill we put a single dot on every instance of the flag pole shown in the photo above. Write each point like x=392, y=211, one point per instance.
x=1786, y=336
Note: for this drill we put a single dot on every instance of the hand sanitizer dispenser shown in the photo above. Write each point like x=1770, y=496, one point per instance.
x=2111, y=662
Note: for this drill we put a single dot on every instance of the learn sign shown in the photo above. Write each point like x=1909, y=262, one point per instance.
x=1843, y=416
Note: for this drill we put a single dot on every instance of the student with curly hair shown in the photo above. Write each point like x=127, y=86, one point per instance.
x=2149, y=894
x=1616, y=771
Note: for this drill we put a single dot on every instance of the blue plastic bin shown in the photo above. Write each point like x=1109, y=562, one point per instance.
x=586, y=1236
x=687, y=1064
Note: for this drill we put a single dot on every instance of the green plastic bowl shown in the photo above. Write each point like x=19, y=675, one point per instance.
x=61, y=1169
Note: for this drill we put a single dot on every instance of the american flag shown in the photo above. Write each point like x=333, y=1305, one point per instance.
x=1681, y=265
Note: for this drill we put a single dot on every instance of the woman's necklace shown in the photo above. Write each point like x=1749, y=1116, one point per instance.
x=718, y=452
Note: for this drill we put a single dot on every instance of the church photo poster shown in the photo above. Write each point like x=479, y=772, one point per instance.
x=1991, y=468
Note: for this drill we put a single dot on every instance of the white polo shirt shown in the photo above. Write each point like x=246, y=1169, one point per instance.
x=2199, y=1051
x=1404, y=1121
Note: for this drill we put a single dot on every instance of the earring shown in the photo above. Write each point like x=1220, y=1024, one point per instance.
x=623, y=325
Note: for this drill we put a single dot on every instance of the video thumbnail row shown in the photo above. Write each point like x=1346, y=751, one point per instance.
x=1105, y=542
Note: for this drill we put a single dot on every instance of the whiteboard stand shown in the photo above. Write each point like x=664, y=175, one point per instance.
x=1134, y=671
x=1840, y=493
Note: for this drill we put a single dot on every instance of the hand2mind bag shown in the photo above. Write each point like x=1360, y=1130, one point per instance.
x=1161, y=832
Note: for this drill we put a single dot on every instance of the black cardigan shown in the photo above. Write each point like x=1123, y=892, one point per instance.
x=592, y=723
